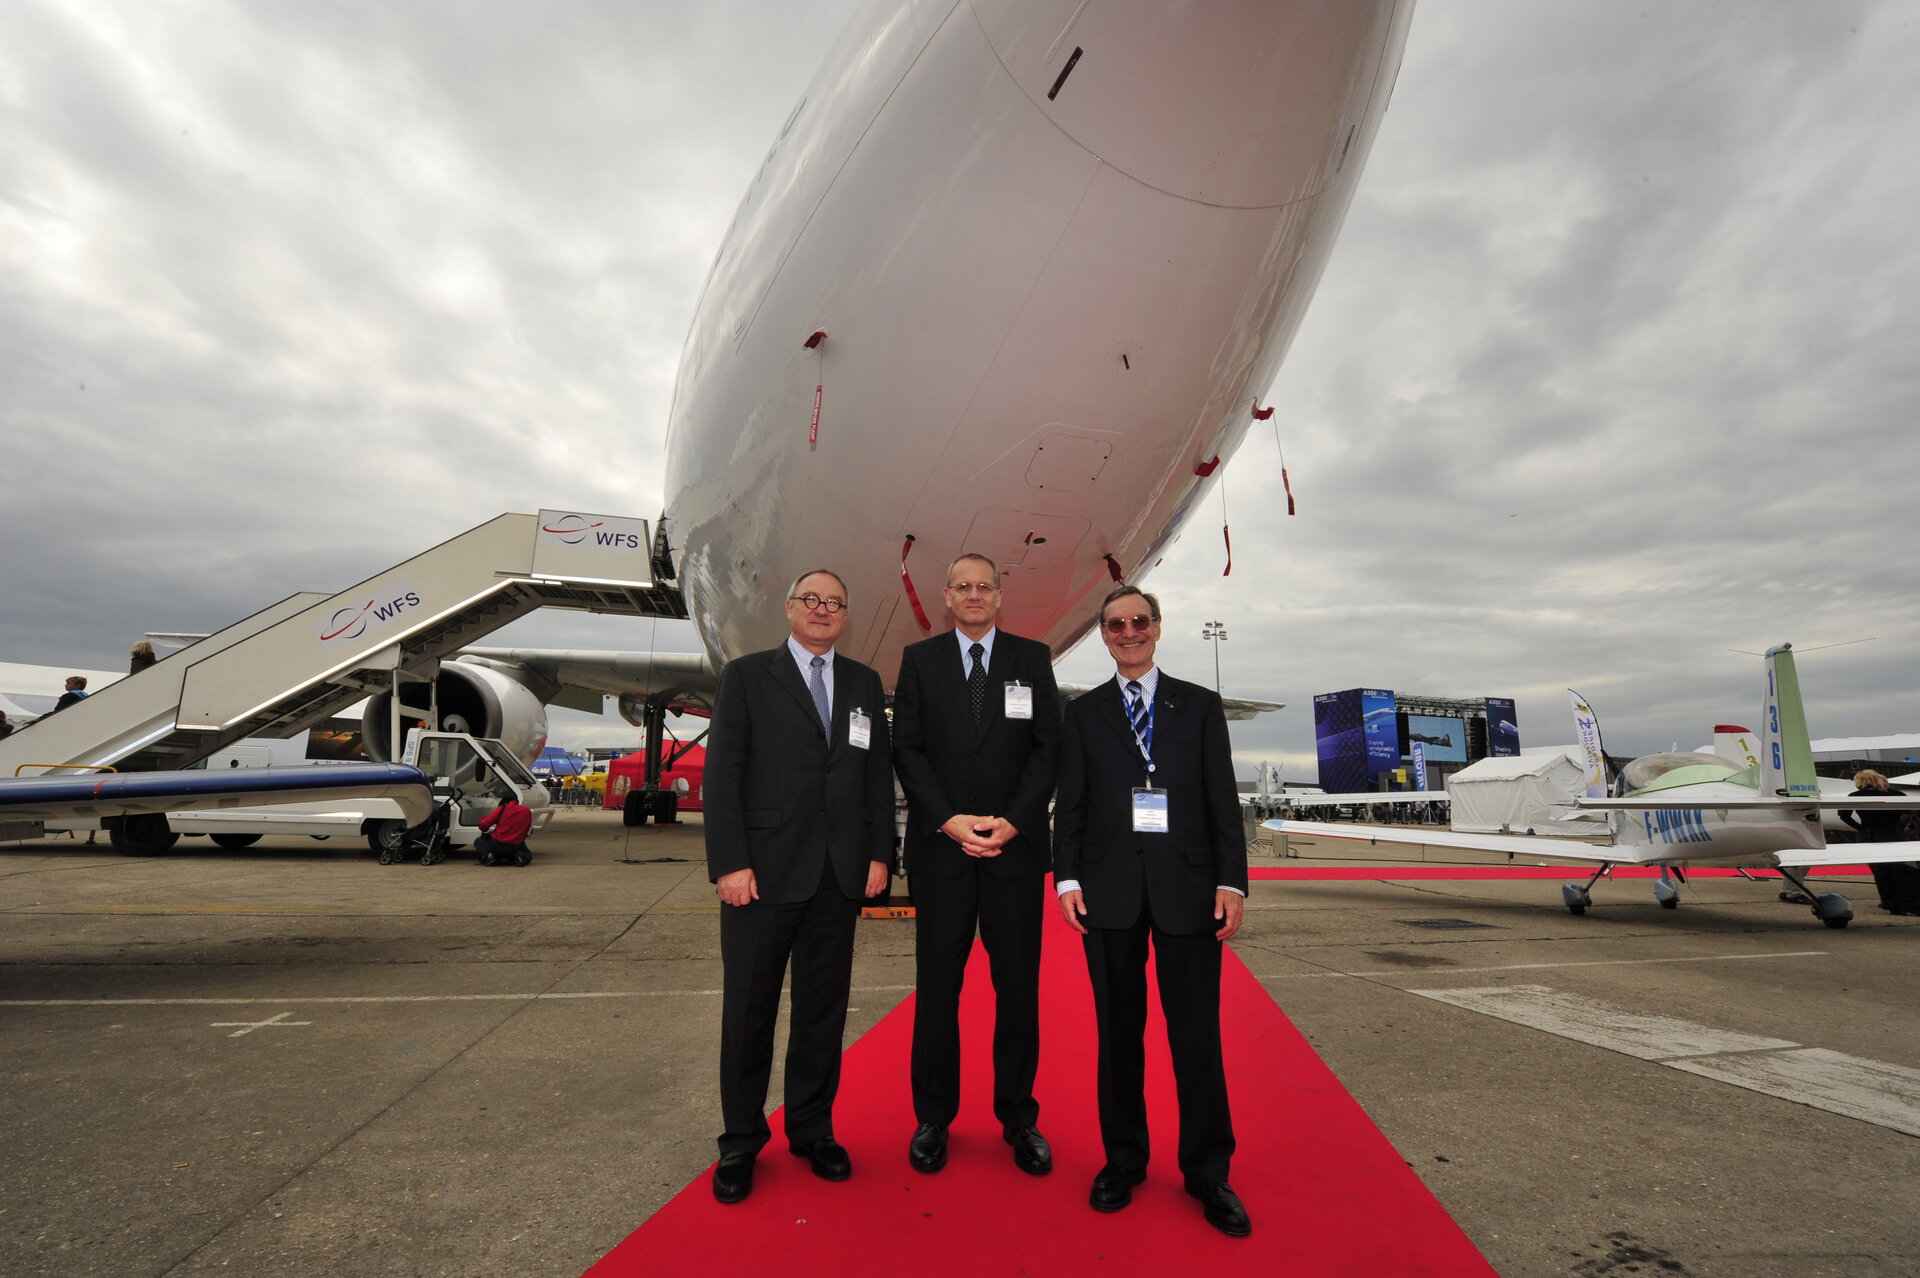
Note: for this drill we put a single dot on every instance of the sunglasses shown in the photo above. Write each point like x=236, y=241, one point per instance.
x=1118, y=625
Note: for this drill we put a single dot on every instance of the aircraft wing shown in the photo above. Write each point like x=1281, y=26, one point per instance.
x=1542, y=846
x=1237, y=707
x=1364, y=796
x=60, y=798
x=1674, y=799
x=582, y=677
x=1849, y=854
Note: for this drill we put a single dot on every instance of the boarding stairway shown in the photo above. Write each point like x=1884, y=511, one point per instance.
x=306, y=658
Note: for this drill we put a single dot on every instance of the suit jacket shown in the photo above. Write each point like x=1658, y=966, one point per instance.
x=783, y=800
x=1170, y=875
x=947, y=764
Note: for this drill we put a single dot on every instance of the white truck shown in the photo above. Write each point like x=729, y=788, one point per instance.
x=472, y=772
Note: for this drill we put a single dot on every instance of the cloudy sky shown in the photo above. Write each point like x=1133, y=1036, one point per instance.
x=1616, y=368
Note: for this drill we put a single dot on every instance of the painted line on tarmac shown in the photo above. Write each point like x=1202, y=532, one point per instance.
x=392, y=998
x=1404, y=974
x=1855, y=1087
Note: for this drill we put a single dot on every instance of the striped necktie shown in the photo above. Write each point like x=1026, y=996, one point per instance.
x=817, y=685
x=1137, y=712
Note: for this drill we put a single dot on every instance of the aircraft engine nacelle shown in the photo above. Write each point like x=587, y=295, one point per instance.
x=482, y=700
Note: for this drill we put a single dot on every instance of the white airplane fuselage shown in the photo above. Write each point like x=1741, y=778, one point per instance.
x=1710, y=836
x=1045, y=317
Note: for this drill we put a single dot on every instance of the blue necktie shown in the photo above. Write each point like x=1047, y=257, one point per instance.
x=1137, y=712
x=817, y=685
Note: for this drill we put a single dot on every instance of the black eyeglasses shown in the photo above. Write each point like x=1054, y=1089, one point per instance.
x=810, y=601
x=1118, y=625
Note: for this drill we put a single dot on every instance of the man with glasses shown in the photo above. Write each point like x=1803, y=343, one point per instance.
x=1148, y=846
x=799, y=825
x=976, y=720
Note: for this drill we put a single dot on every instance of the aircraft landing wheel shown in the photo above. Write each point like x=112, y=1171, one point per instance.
x=1576, y=898
x=142, y=834
x=1837, y=922
x=236, y=840
x=1670, y=903
x=1576, y=909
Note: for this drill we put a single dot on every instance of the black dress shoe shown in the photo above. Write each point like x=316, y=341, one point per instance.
x=1113, y=1188
x=828, y=1159
x=1222, y=1207
x=733, y=1177
x=927, y=1151
x=1031, y=1153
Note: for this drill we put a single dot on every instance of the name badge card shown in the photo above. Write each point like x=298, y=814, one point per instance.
x=1149, y=810
x=859, y=730
x=1019, y=701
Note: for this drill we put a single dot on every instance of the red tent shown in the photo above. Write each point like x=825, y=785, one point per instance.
x=629, y=772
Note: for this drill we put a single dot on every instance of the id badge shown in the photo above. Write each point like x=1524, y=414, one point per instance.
x=1149, y=810
x=1019, y=701
x=859, y=730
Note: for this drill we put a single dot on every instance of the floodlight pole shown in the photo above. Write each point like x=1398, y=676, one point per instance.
x=1215, y=632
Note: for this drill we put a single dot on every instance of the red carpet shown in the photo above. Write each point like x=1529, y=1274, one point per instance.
x=1334, y=873
x=1327, y=1193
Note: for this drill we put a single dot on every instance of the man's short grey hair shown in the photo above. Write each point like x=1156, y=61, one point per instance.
x=959, y=559
x=794, y=589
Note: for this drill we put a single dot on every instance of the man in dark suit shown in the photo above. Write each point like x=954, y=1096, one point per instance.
x=976, y=720
x=799, y=823
x=1148, y=845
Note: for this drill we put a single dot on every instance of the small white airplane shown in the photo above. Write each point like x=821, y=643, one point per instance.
x=1683, y=809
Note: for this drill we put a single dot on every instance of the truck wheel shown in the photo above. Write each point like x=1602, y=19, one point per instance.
x=236, y=840
x=142, y=834
x=386, y=839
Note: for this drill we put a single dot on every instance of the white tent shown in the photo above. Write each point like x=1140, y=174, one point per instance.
x=1529, y=793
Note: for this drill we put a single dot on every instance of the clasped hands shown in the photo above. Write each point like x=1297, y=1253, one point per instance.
x=980, y=836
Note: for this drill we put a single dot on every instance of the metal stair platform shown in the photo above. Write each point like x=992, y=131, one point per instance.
x=296, y=663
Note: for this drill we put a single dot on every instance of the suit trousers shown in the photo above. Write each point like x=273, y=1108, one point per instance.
x=1188, y=973
x=756, y=942
x=1008, y=912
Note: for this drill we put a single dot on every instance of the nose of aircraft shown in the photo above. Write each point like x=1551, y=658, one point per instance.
x=1243, y=103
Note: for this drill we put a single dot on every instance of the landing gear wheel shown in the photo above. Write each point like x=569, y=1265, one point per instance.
x=1670, y=903
x=1576, y=898
x=386, y=838
x=142, y=834
x=235, y=840
x=1833, y=909
x=1836, y=922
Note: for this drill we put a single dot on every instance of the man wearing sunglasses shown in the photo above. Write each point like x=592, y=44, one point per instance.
x=1148, y=847
x=976, y=719
x=799, y=826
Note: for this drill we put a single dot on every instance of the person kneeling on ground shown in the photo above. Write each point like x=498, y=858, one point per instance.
x=503, y=834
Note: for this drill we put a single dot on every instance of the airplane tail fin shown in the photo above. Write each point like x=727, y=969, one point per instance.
x=1586, y=729
x=1736, y=745
x=1786, y=751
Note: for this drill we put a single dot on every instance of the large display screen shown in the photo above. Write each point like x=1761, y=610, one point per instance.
x=1445, y=739
x=1503, y=727
x=1379, y=714
x=1340, y=742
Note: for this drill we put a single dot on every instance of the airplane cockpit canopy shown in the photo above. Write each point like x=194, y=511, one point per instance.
x=1674, y=767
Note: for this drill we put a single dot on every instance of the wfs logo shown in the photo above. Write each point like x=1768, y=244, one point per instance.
x=354, y=620
x=598, y=533
x=572, y=529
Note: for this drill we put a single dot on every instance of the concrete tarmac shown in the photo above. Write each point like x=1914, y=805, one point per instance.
x=291, y=1060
